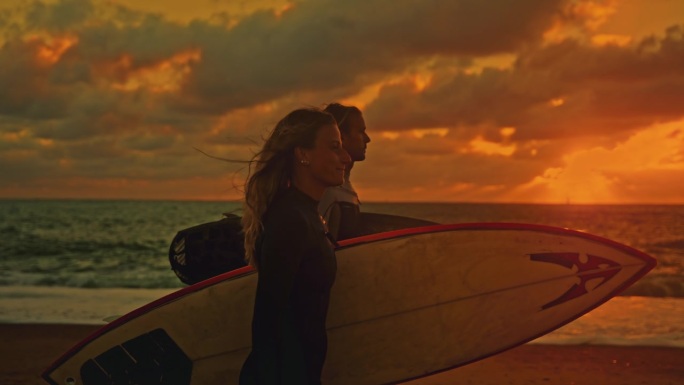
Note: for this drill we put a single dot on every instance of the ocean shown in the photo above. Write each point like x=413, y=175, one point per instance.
x=87, y=262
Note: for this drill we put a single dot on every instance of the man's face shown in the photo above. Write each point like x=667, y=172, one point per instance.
x=356, y=139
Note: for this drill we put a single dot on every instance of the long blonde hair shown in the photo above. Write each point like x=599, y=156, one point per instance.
x=273, y=167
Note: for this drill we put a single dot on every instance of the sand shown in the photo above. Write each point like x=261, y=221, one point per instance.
x=26, y=349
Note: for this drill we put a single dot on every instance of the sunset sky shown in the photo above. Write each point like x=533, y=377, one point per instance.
x=541, y=101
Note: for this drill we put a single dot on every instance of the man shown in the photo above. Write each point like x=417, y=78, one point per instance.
x=340, y=205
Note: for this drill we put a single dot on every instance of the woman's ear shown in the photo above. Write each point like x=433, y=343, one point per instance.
x=301, y=156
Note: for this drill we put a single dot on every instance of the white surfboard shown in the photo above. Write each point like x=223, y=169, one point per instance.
x=405, y=304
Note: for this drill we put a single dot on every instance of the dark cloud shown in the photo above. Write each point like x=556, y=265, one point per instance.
x=324, y=44
x=25, y=87
x=461, y=99
x=60, y=16
x=604, y=91
x=313, y=46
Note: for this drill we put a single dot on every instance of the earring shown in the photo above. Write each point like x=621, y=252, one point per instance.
x=304, y=162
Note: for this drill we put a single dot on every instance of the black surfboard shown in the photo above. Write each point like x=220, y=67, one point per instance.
x=207, y=250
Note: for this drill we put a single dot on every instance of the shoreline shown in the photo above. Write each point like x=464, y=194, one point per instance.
x=27, y=349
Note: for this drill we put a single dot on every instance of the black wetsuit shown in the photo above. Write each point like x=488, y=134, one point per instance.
x=297, y=269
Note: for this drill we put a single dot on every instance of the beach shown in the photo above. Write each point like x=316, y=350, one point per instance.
x=27, y=349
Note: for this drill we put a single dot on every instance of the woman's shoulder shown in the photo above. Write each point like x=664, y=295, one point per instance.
x=289, y=209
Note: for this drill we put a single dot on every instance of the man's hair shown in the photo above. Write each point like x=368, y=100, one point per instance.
x=341, y=113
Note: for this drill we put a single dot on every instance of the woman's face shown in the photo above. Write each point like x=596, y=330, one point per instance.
x=355, y=139
x=327, y=160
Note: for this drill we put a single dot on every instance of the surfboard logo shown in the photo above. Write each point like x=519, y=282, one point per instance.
x=587, y=267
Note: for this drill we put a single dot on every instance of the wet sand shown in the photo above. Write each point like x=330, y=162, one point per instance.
x=26, y=349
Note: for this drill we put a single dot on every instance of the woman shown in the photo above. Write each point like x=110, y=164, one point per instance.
x=286, y=240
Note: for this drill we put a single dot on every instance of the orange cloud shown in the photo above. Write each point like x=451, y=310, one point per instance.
x=421, y=133
x=611, y=39
x=166, y=75
x=578, y=17
x=593, y=14
x=49, y=50
x=482, y=146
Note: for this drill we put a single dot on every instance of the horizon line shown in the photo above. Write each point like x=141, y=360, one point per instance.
x=456, y=202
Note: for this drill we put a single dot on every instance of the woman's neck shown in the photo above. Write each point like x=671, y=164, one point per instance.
x=310, y=188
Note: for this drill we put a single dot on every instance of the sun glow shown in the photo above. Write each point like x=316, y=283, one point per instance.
x=649, y=158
